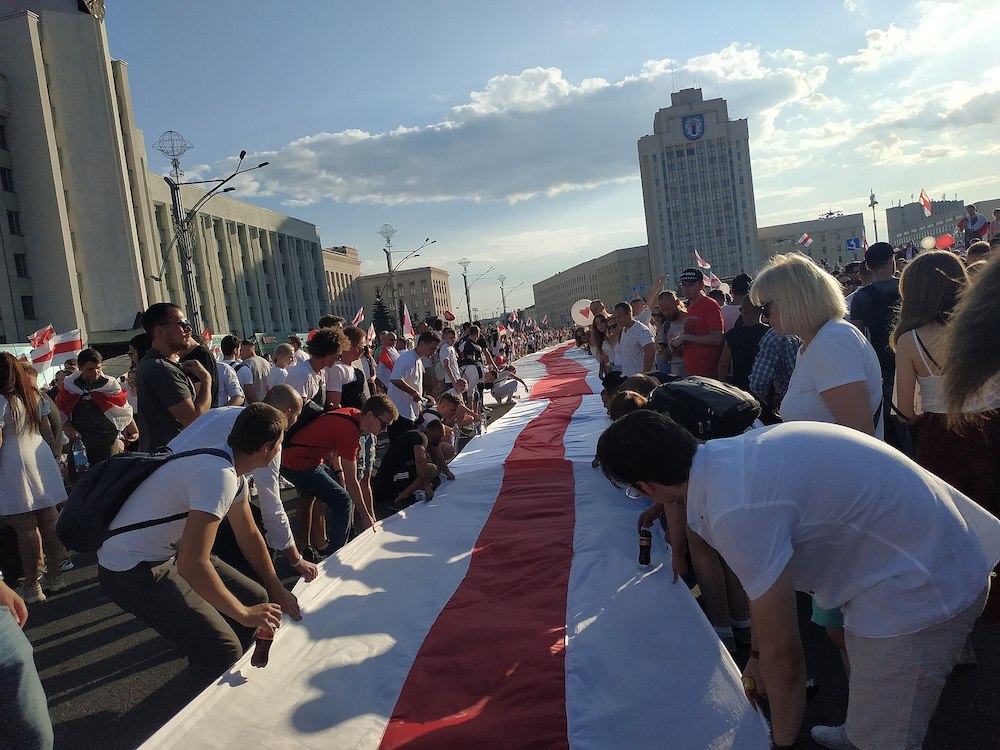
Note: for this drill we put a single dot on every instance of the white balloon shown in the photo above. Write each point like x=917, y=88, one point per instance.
x=581, y=312
x=927, y=243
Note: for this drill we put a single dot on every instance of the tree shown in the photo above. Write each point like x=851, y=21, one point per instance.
x=383, y=319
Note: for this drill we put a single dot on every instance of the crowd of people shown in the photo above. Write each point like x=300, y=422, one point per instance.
x=192, y=553
x=885, y=372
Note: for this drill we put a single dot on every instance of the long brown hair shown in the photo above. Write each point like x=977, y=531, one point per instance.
x=973, y=344
x=929, y=289
x=17, y=389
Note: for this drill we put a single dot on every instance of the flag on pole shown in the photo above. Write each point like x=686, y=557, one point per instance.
x=500, y=329
x=371, y=333
x=545, y=320
x=408, y=331
x=56, y=350
x=805, y=240
x=42, y=335
x=359, y=316
x=715, y=282
x=513, y=316
x=925, y=203
x=702, y=263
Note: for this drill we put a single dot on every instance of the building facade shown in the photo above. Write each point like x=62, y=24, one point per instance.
x=424, y=290
x=836, y=239
x=342, y=269
x=84, y=226
x=697, y=187
x=613, y=277
x=907, y=223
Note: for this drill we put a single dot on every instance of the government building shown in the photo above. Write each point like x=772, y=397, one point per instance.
x=697, y=188
x=86, y=230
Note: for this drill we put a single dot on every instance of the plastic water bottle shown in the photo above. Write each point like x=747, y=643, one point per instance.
x=262, y=646
x=80, y=461
x=420, y=496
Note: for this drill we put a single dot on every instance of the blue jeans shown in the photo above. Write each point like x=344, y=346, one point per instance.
x=24, y=712
x=321, y=482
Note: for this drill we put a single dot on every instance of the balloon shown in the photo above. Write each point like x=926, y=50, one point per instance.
x=945, y=241
x=927, y=243
x=581, y=312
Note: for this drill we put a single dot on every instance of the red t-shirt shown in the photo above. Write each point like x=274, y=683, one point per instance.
x=704, y=317
x=327, y=433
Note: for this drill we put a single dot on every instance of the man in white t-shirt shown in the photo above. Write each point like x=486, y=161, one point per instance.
x=212, y=429
x=773, y=503
x=165, y=574
x=635, y=351
x=299, y=354
x=406, y=383
x=325, y=346
x=230, y=347
x=230, y=391
x=284, y=357
x=448, y=358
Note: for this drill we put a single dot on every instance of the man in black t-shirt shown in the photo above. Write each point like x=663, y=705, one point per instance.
x=742, y=342
x=406, y=473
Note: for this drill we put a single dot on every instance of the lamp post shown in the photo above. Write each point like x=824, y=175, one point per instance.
x=464, y=263
x=872, y=205
x=172, y=145
x=503, y=299
x=387, y=231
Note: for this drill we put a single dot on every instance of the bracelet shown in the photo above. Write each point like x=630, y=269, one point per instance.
x=754, y=653
x=297, y=562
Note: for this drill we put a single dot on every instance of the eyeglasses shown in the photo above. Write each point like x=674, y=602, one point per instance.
x=385, y=425
x=183, y=323
x=632, y=493
x=766, y=307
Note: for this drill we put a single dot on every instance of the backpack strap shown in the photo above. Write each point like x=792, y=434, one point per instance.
x=178, y=516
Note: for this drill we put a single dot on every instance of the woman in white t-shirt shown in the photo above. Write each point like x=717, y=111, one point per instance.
x=837, y=377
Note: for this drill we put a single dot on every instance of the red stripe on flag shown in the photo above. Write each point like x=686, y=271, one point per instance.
x=565, y=377
x=492, y=668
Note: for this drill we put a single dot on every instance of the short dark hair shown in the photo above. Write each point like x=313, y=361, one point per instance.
x=229, y=345
x=380, y=405
x=295, y=341
x=626, y=402
x=741, y=283
x=624, y=307
x=330, y=321
x=89, y=355
x=246, y=342
x=156, y=314
x=646, y=446
x=257, y=425
x=978, y=248
x=327, y=341
x=354, y=335
x=428, y=337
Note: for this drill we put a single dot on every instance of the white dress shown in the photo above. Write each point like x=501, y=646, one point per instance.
x=29, y=475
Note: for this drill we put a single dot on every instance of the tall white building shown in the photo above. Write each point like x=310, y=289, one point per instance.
x=697, y=188
x=84, y=226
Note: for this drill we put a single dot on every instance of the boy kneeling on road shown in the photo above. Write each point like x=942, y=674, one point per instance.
x=165, y=574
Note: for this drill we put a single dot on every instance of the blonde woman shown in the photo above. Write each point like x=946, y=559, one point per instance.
x=837, y=379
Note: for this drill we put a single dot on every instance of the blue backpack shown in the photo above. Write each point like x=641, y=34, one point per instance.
x=98, y=497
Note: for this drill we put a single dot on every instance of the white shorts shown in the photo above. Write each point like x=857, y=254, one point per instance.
x=471, y=375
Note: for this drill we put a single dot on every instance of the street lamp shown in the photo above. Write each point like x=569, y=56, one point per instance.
x=172, y=145
x=872, y=205
x=387, y=231
x=464, y=263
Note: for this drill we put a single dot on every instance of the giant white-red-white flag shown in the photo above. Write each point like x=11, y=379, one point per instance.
x=359, y=316
x=702, y=263
x=925, y=203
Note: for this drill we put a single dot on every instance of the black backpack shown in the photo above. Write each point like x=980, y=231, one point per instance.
x=884, y=308
x=704, y=407
x=98, y=497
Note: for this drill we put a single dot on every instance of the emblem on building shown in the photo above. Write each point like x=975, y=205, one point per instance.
x=694, y=127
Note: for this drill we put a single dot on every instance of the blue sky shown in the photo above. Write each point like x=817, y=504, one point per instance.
x=507, y=131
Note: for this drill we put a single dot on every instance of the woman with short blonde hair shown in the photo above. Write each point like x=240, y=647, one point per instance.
x=808, y=296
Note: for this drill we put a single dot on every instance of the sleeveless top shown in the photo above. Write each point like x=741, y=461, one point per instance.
x=932, y=397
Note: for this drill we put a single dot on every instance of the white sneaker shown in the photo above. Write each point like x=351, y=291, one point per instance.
x=31, y=594
x=834, y=738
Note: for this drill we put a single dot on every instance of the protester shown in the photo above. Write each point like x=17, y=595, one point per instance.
x=742, y=343
x=406, y=383
x=874, y=308
x=52, y=424
x=774, y=503
x=31, y=482
x=258, y=368
x=635, y=351
x=703, y=327
x=731, y=311
x=346, y=385
x=675, y=313
x=325, y=346
x=299, y=353
x=199, y=353
x=167, y=397
x=603, y=338
x=473, y=358
x=406, y=475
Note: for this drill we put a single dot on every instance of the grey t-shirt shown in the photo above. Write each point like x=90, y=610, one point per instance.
x=161, y=383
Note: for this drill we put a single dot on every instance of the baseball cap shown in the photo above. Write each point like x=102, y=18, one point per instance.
x=691, y=274
x=878, y=253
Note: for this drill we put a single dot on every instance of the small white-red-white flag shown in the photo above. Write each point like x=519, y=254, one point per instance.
x=925, y=203
x=371, y=333
x=408, y=331
x=359, y=316
x=513, y=316
x=545, y=320
x=500, y=329
x=805, y=240
x=715, y=281
x=42, y=335
x=702, y=263
x=57, y=349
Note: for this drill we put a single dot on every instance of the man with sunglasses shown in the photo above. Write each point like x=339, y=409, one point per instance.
x=703, y=331
x=321, y=460
x=168, y=400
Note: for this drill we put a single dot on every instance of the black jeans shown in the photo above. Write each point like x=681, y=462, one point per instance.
x=158, y=596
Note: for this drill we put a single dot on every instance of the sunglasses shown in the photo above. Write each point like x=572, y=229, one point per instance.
x=385, y=425
x=766, y=307
x=632, y=493
x=183, y=323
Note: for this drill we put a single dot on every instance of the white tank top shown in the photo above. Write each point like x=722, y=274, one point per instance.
x=932, y=398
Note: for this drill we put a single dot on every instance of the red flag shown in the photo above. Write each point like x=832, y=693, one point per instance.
x=207, y=335
x=42, y=335
x=408, y=331
x=358, y=316
x=449, y=315
x=702, y=263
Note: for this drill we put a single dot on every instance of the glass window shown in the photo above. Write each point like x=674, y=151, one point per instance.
x=14, y=222
x=21, y=264
x=7, y=179
x=28, y=307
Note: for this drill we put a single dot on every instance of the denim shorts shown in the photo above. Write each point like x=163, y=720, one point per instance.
x=366, y=455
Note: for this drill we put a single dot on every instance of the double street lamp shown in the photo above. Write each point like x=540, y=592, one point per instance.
x=172, y=145
x=503, y=294
x=387, y=231
x=464, y=263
